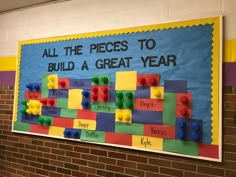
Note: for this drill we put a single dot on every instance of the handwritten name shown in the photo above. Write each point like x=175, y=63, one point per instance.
x=145, y=142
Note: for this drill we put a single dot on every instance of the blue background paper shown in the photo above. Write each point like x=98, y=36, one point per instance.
x=191, y=45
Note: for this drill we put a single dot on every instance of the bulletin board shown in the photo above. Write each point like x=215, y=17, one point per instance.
x=152, y=88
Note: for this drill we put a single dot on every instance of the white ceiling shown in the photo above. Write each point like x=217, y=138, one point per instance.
x=12, y=5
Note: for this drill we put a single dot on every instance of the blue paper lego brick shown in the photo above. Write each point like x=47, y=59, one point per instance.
x=105, y=122
x=51, y=111
x=175, y=86
x=29, y=118
x=142, y=92
x=188, y=129
x=112, y=96
x=61, y=93
x=72, y=133
x=80, y=83
x=147, y=117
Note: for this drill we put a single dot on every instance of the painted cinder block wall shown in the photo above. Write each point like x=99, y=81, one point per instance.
x=32, y=156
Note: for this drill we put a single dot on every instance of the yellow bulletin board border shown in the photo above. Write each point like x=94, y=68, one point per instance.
x=216, y=70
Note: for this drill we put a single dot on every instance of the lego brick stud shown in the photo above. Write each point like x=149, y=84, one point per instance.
x=119, y=104
x=86, y=94
x=62, y=83
x=104, y=80
x=184, y=99
x=142, y=81
x=95, y=80
x=119, y=95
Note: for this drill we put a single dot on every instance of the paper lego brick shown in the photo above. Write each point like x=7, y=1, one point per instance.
x=41, y=129
x=80, y=83
x=209, y=150
x=105, y=122
x=125, y=99
x=51, y=111
x=147, y=117
x=100, y=93
x=44, y=88
x=135, y=129
x=20, y=126
x=148, y=104
x=75, y=99
x=55, y=93
x=106, y=107
x=175, y=86
x=29, y=118
x=62, y=103
x=147, y=142
x=142, y=92
x=69, y=113
x=169, y=109
x=126, y=80
x=95, y=136
x=157, y=92
x=118, y=138
x=32, y=95
x=181, y=147
x=86, y=114
x=85, y=124
x=161, y=131
x=100, y=80
x=56, y=131
x=62, y=122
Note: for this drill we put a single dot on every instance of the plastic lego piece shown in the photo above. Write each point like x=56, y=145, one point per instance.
x=67, y=133
x=29, y=87
x=36, y=87
x=34, y=107
x=62, y=83
x=153, y=81
x=181, y=124
x=95, y=80
x=25, y=102
x=119, y=95
x=129, y=105
x=142, y=81
x=94, y=89
x=75, y=133
x=184, y=99
x=85, y=103
x=24, y=111
x=104, y=80
x=85, y=93
x=47, y=122
x=119, y=104
x=195, y=126
x=94, y=97
x=129, y=95
x=40, y=120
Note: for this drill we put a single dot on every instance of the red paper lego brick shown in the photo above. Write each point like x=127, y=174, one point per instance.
x=184, y=105
x=148, y=80
x=209, y=150
x=62, y=122
x=99, y=93
x=160, y=131
x=32, y=95
x=63, y=83
x=148, y=104
x=86, y=114
x=117, y=138
x=38, y=128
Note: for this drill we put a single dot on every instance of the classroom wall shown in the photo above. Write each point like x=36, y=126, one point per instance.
x=32, y=156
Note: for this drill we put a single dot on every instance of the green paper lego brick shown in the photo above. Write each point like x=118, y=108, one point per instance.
x=69, y=113
x=124, y=99
x=19, y=126
x=180, y=146
x=135, y=129
x=45, y=86
x=106, y=107
x=100, y=80
x=62, y=102
x=95, y=136
x=169, y=114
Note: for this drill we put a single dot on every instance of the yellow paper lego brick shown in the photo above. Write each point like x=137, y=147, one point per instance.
x=147, y=142
x=56, y=131
x=123, y=115
x=126, y=80
x=157, y=92
x=8, y=63
x=84, y=124
x=75, y=99
x=53, y=81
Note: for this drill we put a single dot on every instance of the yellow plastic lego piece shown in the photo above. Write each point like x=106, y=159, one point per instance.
x=123, y=115
x=34, y=107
